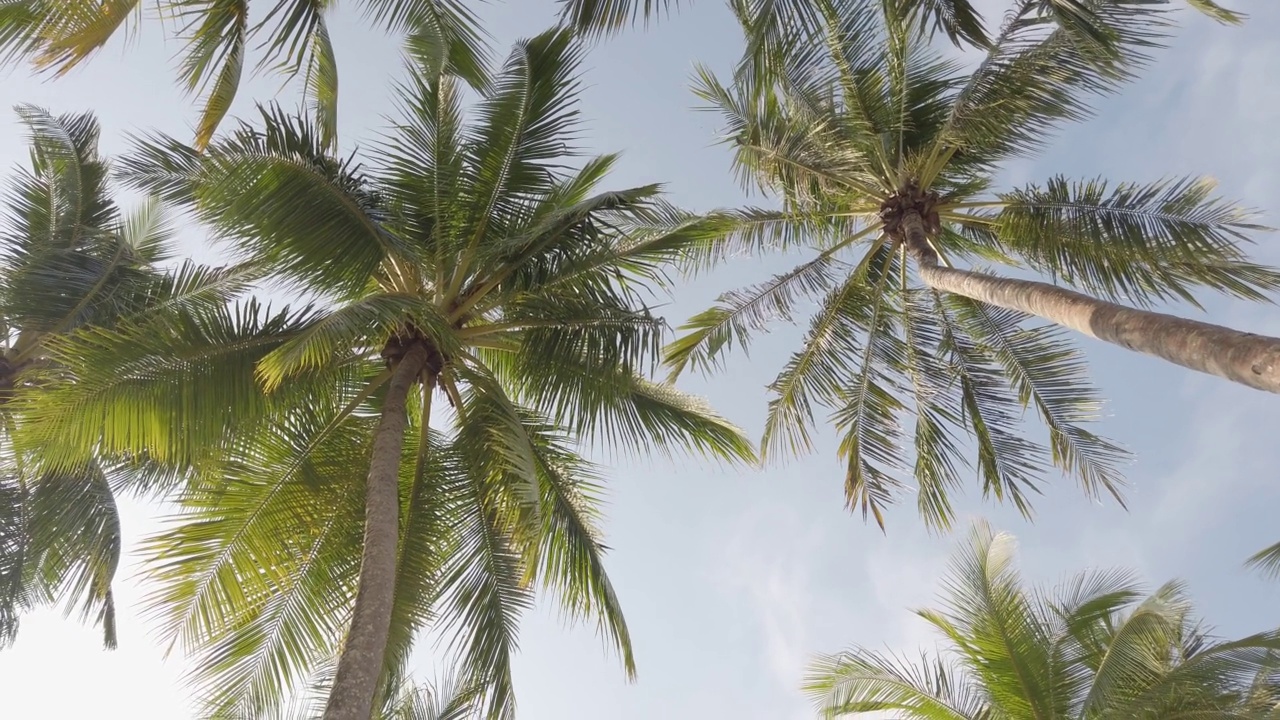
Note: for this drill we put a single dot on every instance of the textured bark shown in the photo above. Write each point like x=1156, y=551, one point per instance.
x=1241, y=357
x=360, y=665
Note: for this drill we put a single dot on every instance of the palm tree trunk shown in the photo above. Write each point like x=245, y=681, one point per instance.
x=1241, y=357
x=360, y=664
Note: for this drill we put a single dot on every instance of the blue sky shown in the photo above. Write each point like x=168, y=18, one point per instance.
x=730, y=578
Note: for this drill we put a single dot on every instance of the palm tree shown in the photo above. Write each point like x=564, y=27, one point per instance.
x=69, y=259
x=473, y=266
x=1090, y=648
x=885, y=156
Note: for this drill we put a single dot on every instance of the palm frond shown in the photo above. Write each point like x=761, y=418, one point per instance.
x=322, y=84
x=867, y=411
x=1045, y=369
x=938, y=410
x=622, y=410
x=256, y=573
x=739, y=313
x=442, y=37
x=73, y=529
x=1266, y=561
x=1003, y=646
x=13, y=555
x=860, y=681
x=1045, y=64
x=291, y=208
x=599, y=18
x=815, y=374
x=1008, y=464
x=570, y=550
x=1217, y=12
x=1132, y=242
x=450, y=698
x=483, y=590
x=526, y=122
x=216, y=34
x=173, y=387
x=72, y=32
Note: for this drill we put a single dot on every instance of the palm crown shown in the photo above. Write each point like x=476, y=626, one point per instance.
x=471, y=262
x=1093, y=647
x=69, y=259
x=843, y=110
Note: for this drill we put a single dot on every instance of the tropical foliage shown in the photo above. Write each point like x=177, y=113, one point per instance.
x=1093, y=647
x=70, y=259
x=55, y=36
x=475, y=244
x=856, y=123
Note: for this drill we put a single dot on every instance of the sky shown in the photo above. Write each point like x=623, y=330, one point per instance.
x=732, y=579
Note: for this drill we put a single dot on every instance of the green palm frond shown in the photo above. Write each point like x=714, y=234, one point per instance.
x=19, y=29
x=1008, y=464
x=61, y=546
x=527, y=121
x=13, y=555
x=1046, y=370
x=958, y=19
x=322, y=84
x=623, y=410
x=451, y=698
x=174, y=386
x=1141, y=243
x=1041, y=71
x=442, y=37
x=598, y=18
x=73, y=264
x=860, y=681
x=739, y=313
x=814, y=373
x=291, y=208
x=72, y=32
x=256, y=572
x=483, y=589
x=866, y=412
x=216, y=34
x=1217, y=12
x=570, y=552
x=73, y=529
x=938, y=409
x=1267, y=561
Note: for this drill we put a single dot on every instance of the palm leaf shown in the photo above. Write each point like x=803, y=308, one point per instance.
x=216, y=33
x=1134, y=242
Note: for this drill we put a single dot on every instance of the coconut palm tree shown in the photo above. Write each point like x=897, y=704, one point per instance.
x=885, y=156
x=1093, y=647
x=473, y=278
x=69, y=259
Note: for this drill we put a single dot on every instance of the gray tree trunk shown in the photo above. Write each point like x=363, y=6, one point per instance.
x=360, y=664
x=1241, y=357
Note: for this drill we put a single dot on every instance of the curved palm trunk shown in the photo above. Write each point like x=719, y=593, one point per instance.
x=1241, y=357
x=360, y=665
